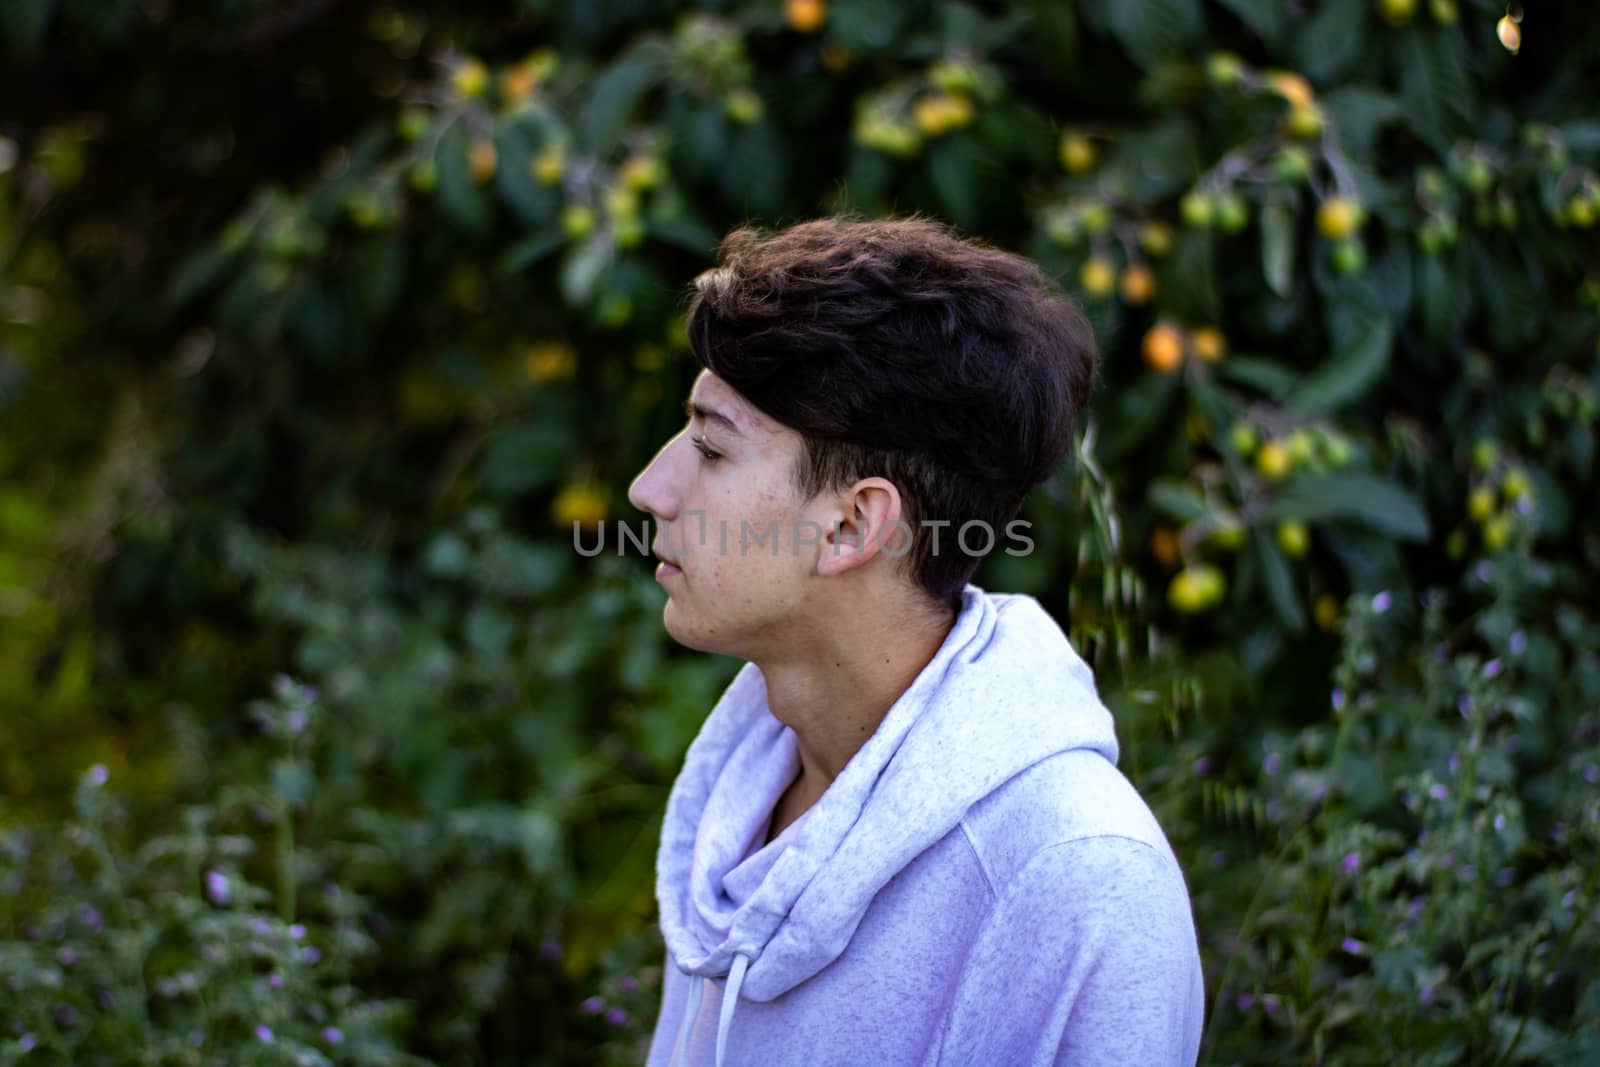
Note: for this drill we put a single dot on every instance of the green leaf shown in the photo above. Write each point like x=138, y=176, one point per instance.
x=1176, y=499
x=1332, y=40
x=685, y=233
x=530, y=250
x=517, y=459
x=1377, y=503
x=613, y=96
x=1153, y=31
x=1357, y=114
x=1267, y=375
x=1436, y=85
x=1155, y=163
x=1277, y=244
x=199, y=273
x=950, y=165
x=1349, y=373
x=1279, y=580
x=1443, y=297
x=461, y=199
x=584, y=266
x=1188, y=280
x=1263, y=16
x=1137, y=410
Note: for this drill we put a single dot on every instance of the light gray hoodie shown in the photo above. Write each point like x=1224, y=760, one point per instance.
x=979, y=885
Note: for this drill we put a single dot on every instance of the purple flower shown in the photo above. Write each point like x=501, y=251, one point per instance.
x=1591, y=773
x=1351, y=864
x=1338, y=700
x=1380, y=603
x=1454, y=765
x=217, y=887
x=628, y=984
x=260, y=926
x=1200, y=766
x=1245, y=1001
x=1269, y=765
x=1437, y=791
x=592, y=1006
x=65, y=956
x=550, y=949
x=295, y=720
x=1464, y=706
x=297, y=931
x=1491, y=668
x=26, y=1042
x=1568, y=898
x=1414, y=908
x=1503, y=876
x=311, y=954
x=90, y=916
x=1271, y=1004
x=264, y=1035
x=1352, y=946
x=98, y=775
x=616, y=1016
x=1426, y=996
x=1518, y=642
x=1499, y=823
x=332, y=1035
x=275, y=980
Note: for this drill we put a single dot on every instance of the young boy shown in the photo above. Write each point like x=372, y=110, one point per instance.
x=901, y=836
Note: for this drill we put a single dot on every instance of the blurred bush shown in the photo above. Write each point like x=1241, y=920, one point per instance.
x=306, y=315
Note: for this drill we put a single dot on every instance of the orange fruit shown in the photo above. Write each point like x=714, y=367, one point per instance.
x=482, y=159
x=1164, y=546
x=1138, y=284
x=1291, y=86
x=805, y=16
x=1163, y=348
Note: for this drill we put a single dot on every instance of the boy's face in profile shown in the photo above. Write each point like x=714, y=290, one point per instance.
x=731, y=526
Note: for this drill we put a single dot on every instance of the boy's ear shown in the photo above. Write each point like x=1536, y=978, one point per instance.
x=867, y=520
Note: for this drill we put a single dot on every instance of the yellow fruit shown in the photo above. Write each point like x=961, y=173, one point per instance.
x=1164, y=546
x=1294, y=538
x=1272, y=461
x=551, y=361
x=1397, y=12
x=1097, y=276
x=1229, y=534
x=1291, y=86
x=481, y=157
x=1445, y=12
x=1325, y=610
x=744, y=106
x=1208, y=343
x=1304, y=121
x=621, y=201
x=1077, y=152
x=549, y=165
x=470, y=78
x=805, y=16
x=1155, y=238
x=1480, y=503
x=577, y=220
x=1138, y=284
x=937, y=113
x=640, y=172
x=1338, y=217
x=1197, y=587
x=581, y=504
x=1163, y=348
x=1497, y=533
x=1516, y=485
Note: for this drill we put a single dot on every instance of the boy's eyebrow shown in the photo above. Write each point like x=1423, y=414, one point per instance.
x=696, y=411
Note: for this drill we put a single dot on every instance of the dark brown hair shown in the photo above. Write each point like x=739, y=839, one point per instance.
x=898, y=349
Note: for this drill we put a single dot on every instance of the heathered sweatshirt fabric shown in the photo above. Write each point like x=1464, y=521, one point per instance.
x=979, y=885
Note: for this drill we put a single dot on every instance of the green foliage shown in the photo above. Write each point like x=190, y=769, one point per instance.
x=321, y=372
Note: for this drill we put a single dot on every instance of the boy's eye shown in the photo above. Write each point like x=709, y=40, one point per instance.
x=700, y=446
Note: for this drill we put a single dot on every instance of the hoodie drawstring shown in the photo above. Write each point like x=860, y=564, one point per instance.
x=690, y=1010
x=730, y=998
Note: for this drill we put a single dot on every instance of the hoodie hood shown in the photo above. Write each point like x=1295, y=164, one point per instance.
x=1004, y=691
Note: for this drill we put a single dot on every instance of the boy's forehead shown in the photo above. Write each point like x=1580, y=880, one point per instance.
x=712, y=392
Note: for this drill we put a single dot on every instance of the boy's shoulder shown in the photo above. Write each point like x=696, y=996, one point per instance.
x=1069, y=797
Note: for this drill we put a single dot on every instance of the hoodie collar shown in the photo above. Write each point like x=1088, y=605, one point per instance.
x=1004, y=691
